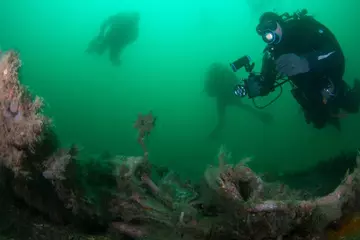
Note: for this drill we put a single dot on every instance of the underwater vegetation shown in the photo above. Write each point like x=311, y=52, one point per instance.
x=48, y=193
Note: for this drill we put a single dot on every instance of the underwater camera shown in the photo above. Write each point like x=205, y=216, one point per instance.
x=242, y=90
x=252, y=85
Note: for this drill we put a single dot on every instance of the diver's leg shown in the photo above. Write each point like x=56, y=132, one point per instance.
x=304, y=104
x=315, y=111
x=114, y=54
x=262, y=116
x=317, y=117
x=320, y=116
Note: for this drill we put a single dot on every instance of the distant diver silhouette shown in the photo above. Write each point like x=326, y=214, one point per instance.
x=115, y=34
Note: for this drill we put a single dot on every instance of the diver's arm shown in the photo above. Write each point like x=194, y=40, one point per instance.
x=325, y=52
x=268, y=74
x=105, y=25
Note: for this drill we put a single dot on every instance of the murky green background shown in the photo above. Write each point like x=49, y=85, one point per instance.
x=95, y=104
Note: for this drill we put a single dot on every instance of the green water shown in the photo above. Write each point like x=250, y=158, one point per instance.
x=94, y=104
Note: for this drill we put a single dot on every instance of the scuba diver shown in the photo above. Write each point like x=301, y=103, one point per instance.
x=115, y=34
x=307, y=54
x=219, y=80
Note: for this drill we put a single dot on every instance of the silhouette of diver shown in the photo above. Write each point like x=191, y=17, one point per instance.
x=219, y=83
x=115, y=34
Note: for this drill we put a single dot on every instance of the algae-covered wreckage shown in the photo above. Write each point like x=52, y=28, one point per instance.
x=48, y=193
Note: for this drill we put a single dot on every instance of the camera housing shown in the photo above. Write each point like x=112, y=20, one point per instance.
x=241, y=90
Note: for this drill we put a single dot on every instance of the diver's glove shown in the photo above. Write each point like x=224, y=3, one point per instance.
x=291, y=64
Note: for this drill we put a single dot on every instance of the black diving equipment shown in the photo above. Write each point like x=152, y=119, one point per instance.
x=242, y=62
x=252, y=85
x=250, y=88
x=295, y=16
x=328, y=92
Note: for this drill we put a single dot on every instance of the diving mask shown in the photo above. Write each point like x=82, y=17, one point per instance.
x=268, y=30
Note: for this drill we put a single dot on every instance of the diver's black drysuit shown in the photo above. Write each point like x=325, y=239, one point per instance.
x=308, y=38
